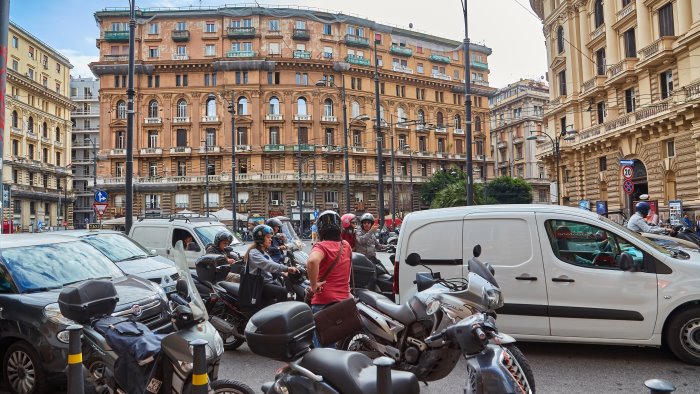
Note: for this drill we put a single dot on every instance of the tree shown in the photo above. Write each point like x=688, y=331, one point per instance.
x=455, y=195
x=507, y=190
x=438, y=181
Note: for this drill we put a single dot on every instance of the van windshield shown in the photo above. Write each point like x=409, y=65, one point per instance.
x=635, y=235
x=207, y=234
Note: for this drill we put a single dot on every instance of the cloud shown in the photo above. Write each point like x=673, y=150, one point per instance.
x=79, y=61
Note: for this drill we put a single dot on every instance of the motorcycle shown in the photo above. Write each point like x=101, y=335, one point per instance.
x=283, y=332
x=371, y=274
x=123, y=356
x=407, y=333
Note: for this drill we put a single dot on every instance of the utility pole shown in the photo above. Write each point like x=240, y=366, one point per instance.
x=345, y=139
x=130, y=122
x=4, y=33
x=468, y=106
x=300, y=202
x=393, y=182
x=206, y=175
x=380, y=160
x=234, y=196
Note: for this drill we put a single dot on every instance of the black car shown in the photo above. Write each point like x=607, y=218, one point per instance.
x=34, y=268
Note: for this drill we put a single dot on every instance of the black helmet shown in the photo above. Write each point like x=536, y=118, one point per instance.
x=643, y=208
x=222, y=236
x=367, y=217
x=272, y=222
x=328, y=223
x=259, y=233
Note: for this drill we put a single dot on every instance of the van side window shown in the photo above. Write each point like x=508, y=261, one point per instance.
x=586, y=245
x=187, y=239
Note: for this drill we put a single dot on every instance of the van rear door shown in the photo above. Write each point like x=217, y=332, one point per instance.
x=510, y=243
x=152, y=238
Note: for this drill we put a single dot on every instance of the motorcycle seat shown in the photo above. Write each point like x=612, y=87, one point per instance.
x=230, y=287
x=354, y=373
x=402, y=313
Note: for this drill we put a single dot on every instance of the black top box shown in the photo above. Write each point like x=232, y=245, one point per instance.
x=364, y=270
x=88, y=300
x=282, y=331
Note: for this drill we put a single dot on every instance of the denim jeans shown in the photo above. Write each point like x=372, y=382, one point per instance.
x=315, y=309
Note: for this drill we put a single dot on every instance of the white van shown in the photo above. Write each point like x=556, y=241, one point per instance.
x=161, y=235
x=559, y=269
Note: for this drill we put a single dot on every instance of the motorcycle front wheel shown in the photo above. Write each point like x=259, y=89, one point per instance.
x=225, y=386
x=518, y=368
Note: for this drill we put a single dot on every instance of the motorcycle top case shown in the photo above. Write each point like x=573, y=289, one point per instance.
x=364, y=270
x=282, y=331
x=88, y=300
x=206, y=267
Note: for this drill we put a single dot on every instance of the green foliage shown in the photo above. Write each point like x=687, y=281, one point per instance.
x=439, y=181
x=507, y=190
x=455, y=195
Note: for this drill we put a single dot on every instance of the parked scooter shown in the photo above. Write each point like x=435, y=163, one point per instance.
x=408, y=333
x=283, y=332
x=125, y=356
x=372, y=275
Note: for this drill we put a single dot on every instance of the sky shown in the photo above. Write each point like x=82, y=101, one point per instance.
x=508, y=27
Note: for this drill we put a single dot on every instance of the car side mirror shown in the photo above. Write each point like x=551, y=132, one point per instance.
x=182, y=288
x=413, y=260
x=626, y=262
x=477, y=250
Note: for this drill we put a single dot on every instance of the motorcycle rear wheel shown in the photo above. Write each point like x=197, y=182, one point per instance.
x=225, y=386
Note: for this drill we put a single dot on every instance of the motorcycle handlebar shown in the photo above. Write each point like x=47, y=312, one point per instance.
x=178, y=299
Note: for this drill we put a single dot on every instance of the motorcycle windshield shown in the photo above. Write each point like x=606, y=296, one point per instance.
x=199, y=312
x=290, y=234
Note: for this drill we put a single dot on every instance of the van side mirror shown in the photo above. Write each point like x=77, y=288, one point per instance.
x=626, y=262
x=477, y=250
x=413, y=260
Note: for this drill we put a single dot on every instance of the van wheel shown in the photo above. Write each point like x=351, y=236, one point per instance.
x=22, y=369
x=683, y=335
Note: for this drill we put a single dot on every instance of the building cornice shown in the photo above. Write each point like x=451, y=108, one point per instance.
x=35, y=87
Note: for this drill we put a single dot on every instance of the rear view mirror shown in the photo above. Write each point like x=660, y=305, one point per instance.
x=424, y=280
x=413, y=260
x=392, y=258
x=477, y=250
x=182, y=288
x=626, y=262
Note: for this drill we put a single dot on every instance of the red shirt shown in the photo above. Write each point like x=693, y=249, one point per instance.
x=337, y=286
x=349, y=237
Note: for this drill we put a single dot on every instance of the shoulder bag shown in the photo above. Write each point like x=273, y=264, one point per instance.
x=250, y=291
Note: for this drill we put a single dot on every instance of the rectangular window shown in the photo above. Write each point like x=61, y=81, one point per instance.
x=562, y=124
x=184, y=79
x=274, y=25
x=629, y=100
x=15, y=42
x=152, y=139
x=670, y=148
x=181, y=26
x=562, y=83
x=329, y=137
x=630, y=43
x=210, y=27
x=150, y=81
x=602, y=163
x=206, y=79
x=15, y=65
x=182, y=200
x=152, y=201
x=274, y=48
x=666, y=79
x=157, y=77
x=327, y=29
x=274, y=135
x=600, y=61
x=666, y=20
x=600, y=111
x=178, y=80
x=181, y=50
x=153, y=28
x=210, y=50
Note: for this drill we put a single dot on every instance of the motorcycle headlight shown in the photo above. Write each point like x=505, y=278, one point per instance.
x=493, y=299
x=218, y=344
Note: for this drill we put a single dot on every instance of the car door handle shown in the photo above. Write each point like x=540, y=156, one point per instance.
x=563, y=279
x=526, y=277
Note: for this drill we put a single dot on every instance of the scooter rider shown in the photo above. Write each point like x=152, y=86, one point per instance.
x=260, y=261
x=638, y=222
x=278, y=247
x=349, y=222
x=365, y=237
x=221, y=241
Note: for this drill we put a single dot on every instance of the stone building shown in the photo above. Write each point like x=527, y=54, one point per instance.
x=85, y=141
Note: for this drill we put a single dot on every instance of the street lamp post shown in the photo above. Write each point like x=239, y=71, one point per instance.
x=130, y=120
x=300, y=201
x=380, y=138
x=94, y=171
x=568, y=136
x=234, y=196
x=58, y=213
x=206, y=176
x=468, y=105
x=393, y=185
x=410, y=171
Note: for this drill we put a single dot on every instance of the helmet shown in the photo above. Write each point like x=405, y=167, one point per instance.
x=222, y=236
x=347, y=219
x=259, y=233
x=367, y=217
x=328, y=223
x=272, y=222
x=643, y=208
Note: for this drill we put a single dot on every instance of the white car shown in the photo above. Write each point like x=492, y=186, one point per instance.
x=561, y=274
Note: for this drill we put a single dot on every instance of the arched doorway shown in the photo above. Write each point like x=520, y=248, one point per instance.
x=639, y=178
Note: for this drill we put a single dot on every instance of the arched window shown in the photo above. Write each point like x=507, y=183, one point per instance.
x=121, y=109
x=440, y=119
x=211, y=106
x=355, y=109
x=45, y=130
x=153, y=109
x=477, y=124
x=560, y=39
x=182, y=108
x=458, y=122
x=242, y=107
x=274, y=106
x=30, y=124
x=58, y=134
x=14, y=119
x=400, y=115
x=421, y=117
x=301, y=106
x=598, y=13
x=327, y=107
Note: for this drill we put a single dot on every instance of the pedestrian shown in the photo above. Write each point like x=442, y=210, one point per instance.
x=329, y=265
x=221, y=241
x=314, y=232
x=686, y=222
x=258, y=260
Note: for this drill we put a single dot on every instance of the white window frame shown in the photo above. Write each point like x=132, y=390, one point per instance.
x=182, y=200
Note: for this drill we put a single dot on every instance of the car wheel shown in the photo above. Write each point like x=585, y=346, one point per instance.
x=22, y=369
x=683, y=335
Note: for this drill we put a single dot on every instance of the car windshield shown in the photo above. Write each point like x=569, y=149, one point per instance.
x=116, y=247
x=637, y=236
x=207, y=234
x=44, y=267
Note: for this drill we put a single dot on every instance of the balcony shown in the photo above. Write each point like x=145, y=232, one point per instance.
x=359, y=149
x=302, y=118
x=243, y=148
x=180, y=150
x=237, y=54
x=459, y=132
x=32, y=136
x=440, y=58
x=657, y=53
x=304, y=148
x=425, y=154
x=442, y=76
x=181, y=35
x=117, y=152
x=331, y=148
x=401, y=51
x=151, y=151
x=117, y=36
x=598, y=32
x=360, y=61
x=480, y=83
x=181, y=119
x=210, y=119
x=85, y=112
x=402, y=69
x=518, y=140
x=589, y=133
x=593, y=86
x=209, y=149
x=501, y=144
x=16, y=131
x=423, y=128
x=329, y=118
x=479, y=65
x=619, y=73
x=157, y=120
x=356, y=41
x=441, y=129
x=299, y=54
x=181, y=56
x=116, y=58
x=274, y=148
x=630, y=8
x=274, y=117
x=240, y=32
x=651, y=110
x=301, y=34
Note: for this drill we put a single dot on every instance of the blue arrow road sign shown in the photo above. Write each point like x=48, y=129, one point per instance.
x=100, y=196
x=626, y=162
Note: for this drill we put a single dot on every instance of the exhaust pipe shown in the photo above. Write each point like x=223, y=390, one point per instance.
x=225, y=327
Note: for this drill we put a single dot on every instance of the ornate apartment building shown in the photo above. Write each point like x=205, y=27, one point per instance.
x=36, y=143
x=194, y=64
x=85, y=141
x=624, y=84
x=516, y=113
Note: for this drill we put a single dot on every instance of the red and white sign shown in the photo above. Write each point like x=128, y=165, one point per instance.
x=628, y=186
x=627, y=172
x=100, y=208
